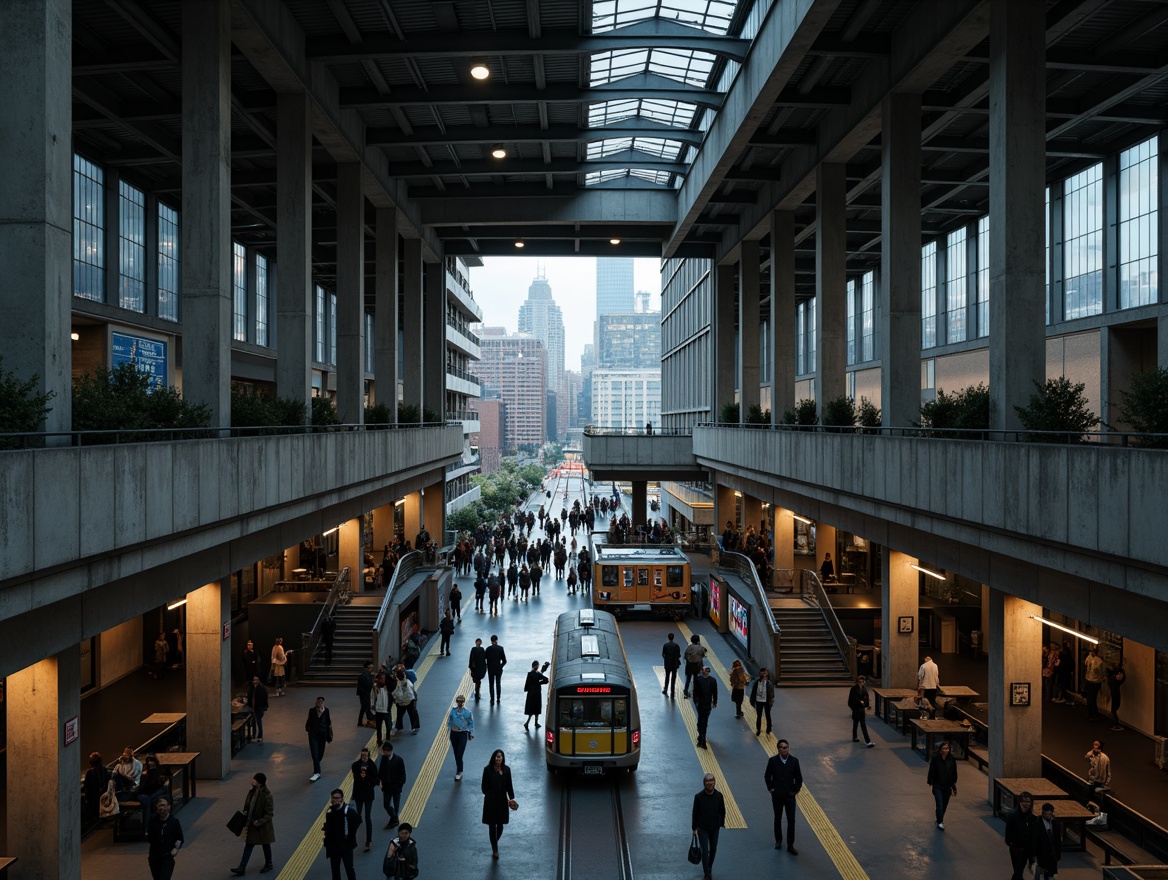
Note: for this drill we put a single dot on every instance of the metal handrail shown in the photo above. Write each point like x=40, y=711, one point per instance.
x=338, y=594
x=637, y=431
x=462, y=374
x=746, y=570
x=406, y=567
x=813, y=592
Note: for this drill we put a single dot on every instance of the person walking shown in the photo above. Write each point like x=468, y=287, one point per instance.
x=328, y=631
x=380, y=701
x=1115, y=679
x=251, y=662
x=161, y=652
x=942, y=779
x=859, y=703
x=705, y=697
x=365, y=783
x=707, y=819
x=784, y=780
x=319, y=727
x=1098, y=767
x=533, y=687
x=694, y=655
x=279, y=661
x=493, y=591
x=496, y=659
x=762, y=697
x=461, y=725
x=1094, y=677
x=456, y=602
x=480, y=589
x=365, y=693
x=929, y=678
x=1048, y=845
x=165, y=837
x=1022, y=835
x=402, y=855
x=260, y=829
x=341, y=822
x=739, y=679
x=498, y=798
x=405, y=697
x=477, y=666
x=446, y=630
x=391, y=776
x=257, y=701
x=671, y=655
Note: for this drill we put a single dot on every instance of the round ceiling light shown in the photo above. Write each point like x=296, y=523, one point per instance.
x=480, y=71
x=614, y=241
x=499, y=153
x=519, y=244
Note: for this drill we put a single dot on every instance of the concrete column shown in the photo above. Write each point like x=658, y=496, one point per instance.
x=382, y=527
x=1017, y=206
x=751, y=512
x=412, y=327
x=784, y=538
x=748, y=321
x=900, y=261
x=385, y=317
x=291, y=561
x=901, y=593
x=782, y=326
x=206, y=207
x=43, y=830
x=831, y=251
x=36, y=205
x=1014, y=643
x=208, y=665
x=434, y=341
x=722, y=331
x=825, y=543
x=349, y=552
x=412, y=517
x=434, y=511
x=640, y=503
x=350, y=294
x=725, y=508
x=294, y=246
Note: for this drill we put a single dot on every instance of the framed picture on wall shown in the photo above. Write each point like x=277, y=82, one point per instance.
x=906, y=624
x=1020, y=693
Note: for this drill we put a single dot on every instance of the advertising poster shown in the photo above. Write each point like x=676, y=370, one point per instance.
x=715, y=599
x=148, y=355
x=739, y=620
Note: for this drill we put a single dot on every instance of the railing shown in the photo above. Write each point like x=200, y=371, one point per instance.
x=761, y=609
x=814, y=593
x=462, y=415
x=465, y=330
x=592, y=431
x=463, y=375
x=338, y=595
x=407, y=567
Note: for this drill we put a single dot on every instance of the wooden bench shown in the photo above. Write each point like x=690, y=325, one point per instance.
x=1115, y=844
x=240, y=733
x=979, y=756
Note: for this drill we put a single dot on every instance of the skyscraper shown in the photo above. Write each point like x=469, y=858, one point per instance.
x=614, y=286
x=540, y=317
x=514, y=369
x=630, y=341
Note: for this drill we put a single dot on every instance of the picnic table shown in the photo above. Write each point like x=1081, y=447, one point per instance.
x=883, y=695
x=934, y=730
x=184, y=762
x=959, y=692
x=1039, y=788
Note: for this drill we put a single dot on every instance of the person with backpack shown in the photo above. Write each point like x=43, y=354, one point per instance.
x=405, y=697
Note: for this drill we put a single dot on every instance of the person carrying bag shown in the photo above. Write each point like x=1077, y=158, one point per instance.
x=695, y=850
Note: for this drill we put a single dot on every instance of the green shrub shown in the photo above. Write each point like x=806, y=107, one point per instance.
x=324, y=412
x=466, y=519
x=729, y=414
x=378, y=414
x=756, y=415
x=868, y=416
x=1060, y=408
x=967, y=410
x=122, y=399
x=408, y=413
x=1145, y=407
x=22, y=409
x=839, y=414
x=258, y=409
x=429, y=417
x=805, y=414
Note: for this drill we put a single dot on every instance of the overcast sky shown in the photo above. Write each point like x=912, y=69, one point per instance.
x=500, y=287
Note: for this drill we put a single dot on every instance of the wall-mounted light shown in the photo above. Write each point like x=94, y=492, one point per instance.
x=519, y=245
x=480, y=71
x=1066, y=629
x=927, y=571
x=499, y=153
x=801, y=519
x=614, y=241
x=178, y=603
x=330, y=531
x=75, y=336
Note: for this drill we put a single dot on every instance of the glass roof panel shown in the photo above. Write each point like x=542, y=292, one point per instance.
x=710, y=15
x=660, y=178
x=692, y=68
x=657, y=146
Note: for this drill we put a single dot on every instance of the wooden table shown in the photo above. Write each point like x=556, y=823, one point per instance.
x=884, y=694
x=165, y=718
x=1040, y=789
x=184, y=761
x=5, y=864
x=958, y=692
x=1070, y=815
x=934, y=729
x=902, y=712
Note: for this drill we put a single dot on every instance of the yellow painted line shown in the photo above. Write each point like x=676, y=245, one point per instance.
x=842, y=857
x=423, y=786
x=299, y=863
x=706, y=757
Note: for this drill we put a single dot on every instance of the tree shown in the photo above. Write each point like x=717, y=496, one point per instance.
x=965, y=410
x=324, y=412
x=22, y=409
x=756, y=415
x=805, y=414
x=869, y=417
x=1059, y=409
x=1145, y=407
x=729, y=414
x=839, y=414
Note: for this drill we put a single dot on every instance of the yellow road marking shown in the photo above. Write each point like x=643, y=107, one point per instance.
x=734, y=817
x=842, y=857
x=423, y=786
x=298, y=864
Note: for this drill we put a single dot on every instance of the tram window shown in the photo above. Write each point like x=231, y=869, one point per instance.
x=595, y=712
x=674, y=575
x=642, y=577
x=628, y=577
x=609, y=575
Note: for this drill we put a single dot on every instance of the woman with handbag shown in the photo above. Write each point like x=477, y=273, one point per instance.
x=279, y=661
x=498, y=798
x=259, y=810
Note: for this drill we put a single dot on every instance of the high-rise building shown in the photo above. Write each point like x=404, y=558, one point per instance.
x=641, y=301
x=491, y=438
x=614, y=286
x=462, y=351
x=514, y=369
x=539, y=316
x=573, y=386
x=630, y=341
x=624, y=400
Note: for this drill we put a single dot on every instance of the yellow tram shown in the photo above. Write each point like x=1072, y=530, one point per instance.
x=654, y=578
x=592, y=720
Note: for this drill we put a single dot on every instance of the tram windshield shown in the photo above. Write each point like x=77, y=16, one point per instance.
x=594, y=712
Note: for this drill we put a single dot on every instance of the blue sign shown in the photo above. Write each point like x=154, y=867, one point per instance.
x=148, y=355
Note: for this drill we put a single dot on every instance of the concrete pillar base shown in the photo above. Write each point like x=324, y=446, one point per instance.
x=208, y=667
x=901, y=600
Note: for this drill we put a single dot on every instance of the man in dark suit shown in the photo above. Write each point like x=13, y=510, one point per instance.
x=783, y=780
x=328, y=631
x=705, y=696
x=341, y=821
x=859, y=702
x=364, y=691
x=671, y=653
x=478, y=666
x=496, y=660
x=391, y=776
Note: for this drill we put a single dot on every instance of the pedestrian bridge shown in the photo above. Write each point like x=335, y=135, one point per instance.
x=616, y=455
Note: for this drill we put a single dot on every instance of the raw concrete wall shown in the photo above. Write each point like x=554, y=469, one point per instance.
x=120, y=651
x=640, y=456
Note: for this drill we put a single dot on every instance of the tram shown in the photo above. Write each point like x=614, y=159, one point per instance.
x=593, y=725
x=653, y=578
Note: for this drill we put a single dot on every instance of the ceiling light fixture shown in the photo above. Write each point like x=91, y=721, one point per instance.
x=1066, y=629
x=927, y=571
x=330, y=531
x=614, y=241
x=76, y=337
x=801, y=519
x=480, y=71
x=519, y=244
x=499, y=153
x=176, y=604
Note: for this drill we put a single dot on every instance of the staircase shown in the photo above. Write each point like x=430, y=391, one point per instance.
x=809, y=656
x=351, y=648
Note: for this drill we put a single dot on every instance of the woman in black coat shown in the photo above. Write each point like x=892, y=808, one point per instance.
x=498, y=798
x=533, y=705
x=943, y=779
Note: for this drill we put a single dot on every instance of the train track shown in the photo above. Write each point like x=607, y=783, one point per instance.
x=591, y=811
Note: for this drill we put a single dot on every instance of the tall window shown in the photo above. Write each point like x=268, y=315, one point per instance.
x=1083, y=243
x=867, y=317
x=929, y=295
x=1138, y=225
x=369, y=342
x=319, y=324
x=239, y=293
x=801, y=338
x=983, y=276
x=851, y=317
x=88, y=230
x=167, y=262
x=955, y=286
x=131, y=247
x=1046, y=215
x=332, y=328
x=261, y=321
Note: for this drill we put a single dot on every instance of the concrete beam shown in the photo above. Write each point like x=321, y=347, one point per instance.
x=583, y=207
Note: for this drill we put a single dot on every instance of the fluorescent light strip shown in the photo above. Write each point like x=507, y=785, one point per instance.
x=801, y=519
x=927, y=571
x=330, y=531
x=1066, y=629
x=176, y=604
